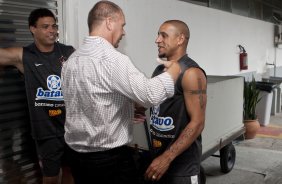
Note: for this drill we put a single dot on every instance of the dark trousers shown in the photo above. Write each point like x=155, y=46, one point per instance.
x=115, y=166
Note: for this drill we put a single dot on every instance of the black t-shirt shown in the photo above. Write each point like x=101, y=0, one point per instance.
x=42, y=72
x=168, y=120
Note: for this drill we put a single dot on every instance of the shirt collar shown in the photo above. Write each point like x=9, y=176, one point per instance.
x=97, y=39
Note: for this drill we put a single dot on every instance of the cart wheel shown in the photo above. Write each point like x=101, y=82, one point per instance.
x=227, y=158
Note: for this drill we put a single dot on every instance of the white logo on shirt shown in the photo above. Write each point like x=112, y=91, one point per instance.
x=160, y=123
x=194, y=179
x=38, y=64
x=54, y=92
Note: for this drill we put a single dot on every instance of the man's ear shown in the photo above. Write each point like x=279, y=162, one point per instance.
x=109, y=23
x=181, y=39
x=32, y=29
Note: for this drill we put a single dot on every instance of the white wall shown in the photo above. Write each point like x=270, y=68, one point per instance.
x=214, y=38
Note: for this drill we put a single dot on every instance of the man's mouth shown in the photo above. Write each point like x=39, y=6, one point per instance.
x=52, y=37
x=160, y=47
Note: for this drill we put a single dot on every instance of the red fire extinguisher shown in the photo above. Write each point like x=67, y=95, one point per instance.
x=243, y=58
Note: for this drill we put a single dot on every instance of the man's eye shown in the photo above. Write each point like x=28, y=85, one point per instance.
x=45, y=27
x=54, y=26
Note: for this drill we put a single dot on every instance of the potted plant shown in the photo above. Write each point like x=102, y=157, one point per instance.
x=251, y=99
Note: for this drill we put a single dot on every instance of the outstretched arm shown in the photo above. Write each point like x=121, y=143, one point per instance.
x=12, y=56
x=129, y=81
x=194, y=88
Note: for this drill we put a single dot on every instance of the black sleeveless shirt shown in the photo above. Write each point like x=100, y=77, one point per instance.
x=42, y=72
x=168, y=120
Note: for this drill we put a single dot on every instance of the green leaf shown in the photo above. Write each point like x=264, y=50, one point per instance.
x=251, y=99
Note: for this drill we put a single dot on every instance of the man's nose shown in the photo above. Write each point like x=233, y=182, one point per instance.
x=158, y=39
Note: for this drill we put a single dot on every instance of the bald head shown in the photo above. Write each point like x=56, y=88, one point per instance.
x=101, y=11
x=181, y=28
x=172, y=39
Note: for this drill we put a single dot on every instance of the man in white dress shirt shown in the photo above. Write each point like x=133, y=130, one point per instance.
x=100, y=86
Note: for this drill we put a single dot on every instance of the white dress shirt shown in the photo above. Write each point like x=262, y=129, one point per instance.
x=100, y=86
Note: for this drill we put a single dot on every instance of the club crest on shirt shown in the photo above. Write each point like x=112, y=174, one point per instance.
x=160, y=123
x=54, y=92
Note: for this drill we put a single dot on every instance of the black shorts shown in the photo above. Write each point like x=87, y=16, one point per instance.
x=52, y=155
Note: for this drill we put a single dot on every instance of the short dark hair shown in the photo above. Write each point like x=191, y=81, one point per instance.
x=181, y=26
x=39, y=13
x=100, y=11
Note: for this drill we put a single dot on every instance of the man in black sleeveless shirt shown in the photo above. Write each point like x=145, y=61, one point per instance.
x=177, y=123
x=41, y=63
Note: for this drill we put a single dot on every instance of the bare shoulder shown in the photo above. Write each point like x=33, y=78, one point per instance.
x=194, y=78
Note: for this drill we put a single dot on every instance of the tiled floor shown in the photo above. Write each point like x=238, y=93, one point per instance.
x=270, y=131
x=258, y=160
x=268, y=137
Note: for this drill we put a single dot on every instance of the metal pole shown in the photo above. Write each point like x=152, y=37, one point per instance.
x=274, y=63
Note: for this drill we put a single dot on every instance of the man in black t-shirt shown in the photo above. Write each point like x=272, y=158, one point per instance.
x=41, y=63
x=177, y=123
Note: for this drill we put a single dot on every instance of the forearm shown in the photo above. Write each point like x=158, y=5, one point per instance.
x=158, y=89
x=184, y=141
x=136, y=86
x=161, y=164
